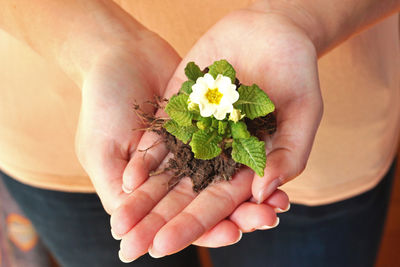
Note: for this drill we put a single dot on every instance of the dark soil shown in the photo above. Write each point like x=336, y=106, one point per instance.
x=262, y=126
x=201, y=172
x=204, y=172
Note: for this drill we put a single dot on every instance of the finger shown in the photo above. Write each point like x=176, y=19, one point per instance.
x=149, y=154
x=105, y=166
x=151, y=149
x=225, y=233
x=137, y=241
x=246, y=218
x=289, y=148
x=211, y=206
x=108, y=185
x=279, y=200
x=251, y=216
x=140, y=202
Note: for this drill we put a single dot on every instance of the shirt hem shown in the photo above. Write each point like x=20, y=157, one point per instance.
x=80, y=184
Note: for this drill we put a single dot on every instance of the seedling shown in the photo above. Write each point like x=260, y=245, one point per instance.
x=212, y=112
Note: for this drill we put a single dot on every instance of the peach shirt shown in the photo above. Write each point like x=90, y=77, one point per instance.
x=356, y=142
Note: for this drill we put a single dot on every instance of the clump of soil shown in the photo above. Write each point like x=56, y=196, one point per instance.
x=262, y=126
x=201, y=172
x=184, y=164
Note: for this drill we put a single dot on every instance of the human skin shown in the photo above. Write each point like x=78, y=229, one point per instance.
x=274, y=44
x=116, y=62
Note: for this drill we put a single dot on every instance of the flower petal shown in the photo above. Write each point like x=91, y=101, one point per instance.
x=209, y=80
x=234, y=96
x=220, y=113
x=202, y=82
x=223, y=82
x=230, y=96
x=207, y=110
x=198, y=92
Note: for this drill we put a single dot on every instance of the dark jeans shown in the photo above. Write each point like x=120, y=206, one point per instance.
x=345, y=233
x=76, y=230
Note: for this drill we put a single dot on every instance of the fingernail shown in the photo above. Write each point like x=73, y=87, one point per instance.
x=121, y=258
x=115, y=236
x=239, y=238
x=126, y=190
x=265, y=227
x=266, y=192
x=154, y=253
x=279, y=210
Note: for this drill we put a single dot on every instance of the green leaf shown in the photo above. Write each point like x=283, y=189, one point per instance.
x=186, y=87
x=253, y=102
x=196, y=115
x=205, y=144
x=177, y=109
x=239, y=130
x=228, y=145
x=204, y=123
x=183, y=133
x=222, y=127
x=222, y=67
x=214, y=123
x=250, y=152
x=193, y=71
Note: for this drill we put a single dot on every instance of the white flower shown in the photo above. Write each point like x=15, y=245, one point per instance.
x=235, y=115
x=214, y=97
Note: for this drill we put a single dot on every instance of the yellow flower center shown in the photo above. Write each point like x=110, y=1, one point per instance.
x=213, y=96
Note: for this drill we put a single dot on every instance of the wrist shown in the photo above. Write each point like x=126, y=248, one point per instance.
x=95, y=34
x=300, y=16
x=328, y=23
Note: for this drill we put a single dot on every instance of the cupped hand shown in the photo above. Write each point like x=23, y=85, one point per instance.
x=131, y=72
x=265, y=48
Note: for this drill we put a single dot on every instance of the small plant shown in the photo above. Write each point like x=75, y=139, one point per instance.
x=210, y=113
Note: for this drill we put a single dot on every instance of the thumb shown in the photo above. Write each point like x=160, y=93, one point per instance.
x=150, y=150
x=289, y=148
x=105, y=166
x=104, y=160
